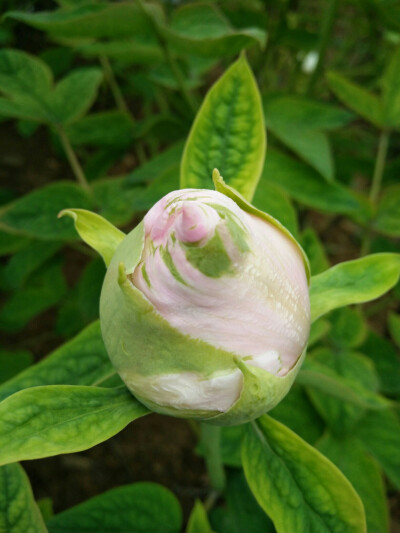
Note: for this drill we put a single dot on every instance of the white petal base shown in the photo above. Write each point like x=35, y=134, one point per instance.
x=187, y=391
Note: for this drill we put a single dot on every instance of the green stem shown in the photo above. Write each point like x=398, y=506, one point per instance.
x=73, y=160
x=173, y=65
x=211, y=443
x=379, y=165
x=113, y=84
x=324, y=38
x=379, y=169
x=176, y=71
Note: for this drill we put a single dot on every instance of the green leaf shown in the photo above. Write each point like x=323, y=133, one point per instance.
x=198, y=520
x=304, y=113
x=297, y=486
x=353, y=282
x=140, y=50
x=137, y=508
x=106, y=128
x=159, y=164
x=25, y=262
x=22, y=73
x=96, y=231
x=329, y=382
x=285, y=120
x=359, y=375
x=394, y=327
x=10, y=243
x=318, y=331
x=380, y=435
x=241, y=512
x=391, y=90
x=81, y=361
x=45, y=421
x=74, y=95
x=81, y=305
x=228, y=133
x=315, y=251
x=166, y=182
x=357, y=99
x=297, y=412
x=91, y=19
x=275, y=202
x=305, y=185
x=45, y=289
x=202, y=29
x=349, y=328
x=386, y=361
x=387, y=220
x=35, y=214
x=364, y=474
x=18, y=510
x=28, y=83
x=11, y=363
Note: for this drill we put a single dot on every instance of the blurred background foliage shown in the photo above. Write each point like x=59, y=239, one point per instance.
x=96, y=100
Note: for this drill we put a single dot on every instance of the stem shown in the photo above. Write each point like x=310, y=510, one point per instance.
x=73, y=160
x=176, y=71
x=379, y=169
x=379, y=165
x=325, y=35
x=173, y=65
x=112, y=82
x=211, y=440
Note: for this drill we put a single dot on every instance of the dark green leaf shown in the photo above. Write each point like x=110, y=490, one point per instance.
x=380, y=435
x=274, y=201
x=391, y=90
x=91, y=19
x=25, y=262
x=297, y=412
x=45, y=289
x=202, y=29
x=137, y=508
x=387, y=219
x=364, y=474
x=241, y=513
x=357, y=99
x=386, y=361
x=35, y=214
x=54, y=419
x=358, y=371
x=74, y=95
x=11, y=363
x=305, y=185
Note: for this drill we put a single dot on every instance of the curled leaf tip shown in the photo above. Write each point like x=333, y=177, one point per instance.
x=67, y=212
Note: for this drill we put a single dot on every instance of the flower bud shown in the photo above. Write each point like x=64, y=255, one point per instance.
x=205, y=309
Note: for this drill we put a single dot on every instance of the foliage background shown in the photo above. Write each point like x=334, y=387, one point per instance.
x=331, y=176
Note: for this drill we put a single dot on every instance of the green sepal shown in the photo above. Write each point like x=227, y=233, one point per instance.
x=96, y=231
x=261, y=392
x=223, y=188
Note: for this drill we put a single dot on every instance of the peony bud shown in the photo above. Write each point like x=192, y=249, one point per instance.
x=205, y=309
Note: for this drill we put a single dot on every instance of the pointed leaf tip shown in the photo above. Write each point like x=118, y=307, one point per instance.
x=96, y=231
